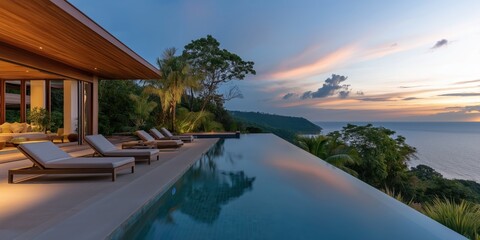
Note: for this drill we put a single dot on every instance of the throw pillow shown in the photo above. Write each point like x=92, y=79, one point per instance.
x=25, y=127
x=16, y=127
x=6, y=128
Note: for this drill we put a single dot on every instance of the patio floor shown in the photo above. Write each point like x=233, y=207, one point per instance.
x=85, y=206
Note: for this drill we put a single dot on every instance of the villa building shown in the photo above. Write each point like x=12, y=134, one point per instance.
x=52, y=56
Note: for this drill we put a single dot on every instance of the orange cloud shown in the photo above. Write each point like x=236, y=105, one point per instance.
x=323, y=64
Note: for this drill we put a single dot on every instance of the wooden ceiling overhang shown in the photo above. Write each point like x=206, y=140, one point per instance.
x=45, y=38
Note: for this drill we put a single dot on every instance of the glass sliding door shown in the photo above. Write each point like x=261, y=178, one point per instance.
x=56, y=104
x=12, y=101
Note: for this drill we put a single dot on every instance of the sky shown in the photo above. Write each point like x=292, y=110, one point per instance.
x=325, y=60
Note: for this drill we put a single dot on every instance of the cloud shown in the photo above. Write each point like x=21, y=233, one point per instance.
x=289, y=95
x=459, y=95
x=440, y=43
x=360, y=93
x=376, y=99
x=466, y=82
x=306, y=95
x=318, y=66
x=416, y=86
x=467, y=113
x=410, y=98
x=331, y=86
x=344, y=94
x=469, y=109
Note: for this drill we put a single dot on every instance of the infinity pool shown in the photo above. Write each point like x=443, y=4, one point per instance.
x=262, y=187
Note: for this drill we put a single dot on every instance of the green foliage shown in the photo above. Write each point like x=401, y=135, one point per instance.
x=197, y=121
x=251, y=129
x=332, y=150
x=396, y=195
x=57, y=98
x=56, y=120
x=177, y=77
x=462, y=217
x=427, y=184
x=12, y=115
x=425, y=173
x=188, y=121
x=384, y=158
x=115, y=105
x=216, y=65
x=40, y=119
x=295, y=124
x=142, y=107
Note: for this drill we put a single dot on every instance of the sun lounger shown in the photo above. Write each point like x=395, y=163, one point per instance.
x=168, y=135
x=104, y=148
x=50, y=159
x=167, y=143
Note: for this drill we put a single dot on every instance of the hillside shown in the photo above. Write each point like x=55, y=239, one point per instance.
x=283, y=126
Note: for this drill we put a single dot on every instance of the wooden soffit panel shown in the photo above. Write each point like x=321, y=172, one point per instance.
x=10, y=71
x=57, y=30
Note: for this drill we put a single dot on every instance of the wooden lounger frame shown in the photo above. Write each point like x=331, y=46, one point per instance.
x=96, y=153
x=37, y=168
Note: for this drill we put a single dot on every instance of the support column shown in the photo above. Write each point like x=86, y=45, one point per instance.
x=23, y=101
x=48, y=96
x=37, y=94
x=2, y=102
x=70, y=106
x=95, y=105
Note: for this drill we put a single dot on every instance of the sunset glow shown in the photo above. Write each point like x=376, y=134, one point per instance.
x=403, y=61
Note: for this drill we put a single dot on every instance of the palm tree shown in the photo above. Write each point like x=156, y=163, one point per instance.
x=176, y=78
x=142, y=109
x=331, y=150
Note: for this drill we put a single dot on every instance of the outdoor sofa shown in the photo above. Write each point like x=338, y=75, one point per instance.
x=50, y=159
x=167, y=143
x=105, y=148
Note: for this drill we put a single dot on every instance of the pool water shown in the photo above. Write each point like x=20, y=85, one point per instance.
x=262, y=187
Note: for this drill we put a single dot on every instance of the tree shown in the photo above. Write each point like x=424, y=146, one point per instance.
x=114, y=108
x=176, y=78
x=331, y=150
x=217, y=66
x=383, y=157
x=142, y=107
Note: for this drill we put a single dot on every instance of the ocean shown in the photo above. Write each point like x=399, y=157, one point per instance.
x=451, y=148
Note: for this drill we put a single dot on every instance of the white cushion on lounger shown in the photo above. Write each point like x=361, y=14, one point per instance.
x=99, y=162
x=44, y=152
x=106, y=148
x=160, y=143
x=100, y=143
x=157, y=134
x=186, y=138
x=51, y=156
x=144, y=136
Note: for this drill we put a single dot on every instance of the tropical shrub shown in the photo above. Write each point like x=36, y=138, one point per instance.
x=332, y=150
x=462, y=217
x=39, y=119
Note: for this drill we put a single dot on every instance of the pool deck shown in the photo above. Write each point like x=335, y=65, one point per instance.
x=85, y=206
